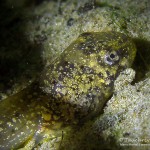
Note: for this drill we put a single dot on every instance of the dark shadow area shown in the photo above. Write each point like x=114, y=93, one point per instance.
x=84, y=138
x=142, y=61
x=20, y=60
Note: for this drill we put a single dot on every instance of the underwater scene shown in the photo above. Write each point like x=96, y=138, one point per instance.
x=74, y=75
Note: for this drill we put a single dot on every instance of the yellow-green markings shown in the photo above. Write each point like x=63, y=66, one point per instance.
x=72, y=89
x=84, y=74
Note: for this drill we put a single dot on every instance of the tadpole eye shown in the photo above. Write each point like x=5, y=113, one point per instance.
x=111, y=58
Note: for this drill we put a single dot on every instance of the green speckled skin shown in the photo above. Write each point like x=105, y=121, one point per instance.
x=84, y=74
x=74, y=87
